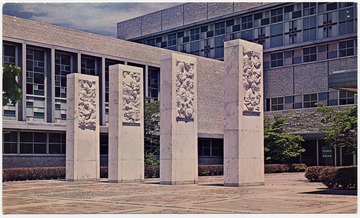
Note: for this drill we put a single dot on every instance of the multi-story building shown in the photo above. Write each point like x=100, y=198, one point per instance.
x=34, y=129
x=310, y=49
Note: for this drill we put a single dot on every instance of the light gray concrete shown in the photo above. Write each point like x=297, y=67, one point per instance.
x=82, y=128
x=243, y=114
x=178, y=120
x=126, y=124
x=285, y=193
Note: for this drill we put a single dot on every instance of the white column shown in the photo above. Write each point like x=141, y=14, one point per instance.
x=82, y=128
x=243, y=114
x=126, y=124
x=178, y=120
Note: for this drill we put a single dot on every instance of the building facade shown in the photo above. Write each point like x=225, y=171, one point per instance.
x=308, y=47
x=34, y=130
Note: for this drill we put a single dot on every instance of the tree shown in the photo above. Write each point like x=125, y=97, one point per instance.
x=340, y=126
x=151, y=126
x=11, y=87
x=279, y=144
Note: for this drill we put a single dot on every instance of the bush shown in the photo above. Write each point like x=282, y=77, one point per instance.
x=312, y=173
x=152, y=171
x=20, y=174
x=210, y=170
x=297, y=168
x=339, y=177
x=282, y=168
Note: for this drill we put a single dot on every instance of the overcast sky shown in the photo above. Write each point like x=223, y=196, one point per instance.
x=100, y=18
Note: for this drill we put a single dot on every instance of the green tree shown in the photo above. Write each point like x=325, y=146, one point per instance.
x=11, y=87
x=279, y=144
x=151, y=127
x=340, y=126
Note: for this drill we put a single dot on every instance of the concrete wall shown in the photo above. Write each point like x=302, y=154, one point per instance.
x=179, y=16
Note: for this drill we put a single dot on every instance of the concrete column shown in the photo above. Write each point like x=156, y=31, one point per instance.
x=178, y=120
x=82, y=128
x=243, y=114
x=126, y=124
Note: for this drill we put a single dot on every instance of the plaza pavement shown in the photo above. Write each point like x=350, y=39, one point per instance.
x=282, y=193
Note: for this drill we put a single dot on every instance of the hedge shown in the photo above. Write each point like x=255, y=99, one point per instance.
x=312, y=173
x=339, y=177
x=18, y=174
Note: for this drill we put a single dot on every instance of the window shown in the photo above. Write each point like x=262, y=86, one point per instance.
x=328, y=27
x=151, y=42
x=219, y=28
x=88, y=65
x=276, y=33
x=9, y=53
x=35, y=84
x=309, y=28
x=195, y=48
x=246, y=22
x=310, y=100
x=346, y=21
x=32, y=143
x=171, y=39
x=104, y=144
x=309, y=8
x=210, y=147
x=10, y=142
x=346, y=48
x=57, y=143
x=309, y=54
x=333, y=98
x=298, y=101
x=153, y=82
x=292, y=32
x=219, y=47
x=276, y=15
x=108, y=63
x=346, y=98
x=277, y=104
x=289, y=102
x=277, y=59
x=194, y=34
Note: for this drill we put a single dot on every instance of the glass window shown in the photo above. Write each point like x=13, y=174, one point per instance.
x=171, y=39
x=104, y=144
x=346, y=97
x=346, y=48
x=346, y=21
x=219, y=28
x=194, y=34
x=310, y=100
x=309, y=8
x=150, y=42
x=9, y=54
x=217, y=148
x=277, y=59
x=10, y=142
x=88, y=65
x=309, y=54
x=204, y=147
x=289, y=102
x=276, y=15
x=153, y=82
x=246, y=22
x=277, y=104
x=333, y=98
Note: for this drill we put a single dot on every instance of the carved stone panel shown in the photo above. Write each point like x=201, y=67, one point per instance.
x=131, y=97
x=252, y=81
x=185, y=90
x=87, y=105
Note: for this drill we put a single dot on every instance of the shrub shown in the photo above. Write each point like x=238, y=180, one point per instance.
x=20, y=174
x=276, y=168
x=210, y=170
x=152, y=171
x=313, y=173
x=297, y=167
x=339, y=177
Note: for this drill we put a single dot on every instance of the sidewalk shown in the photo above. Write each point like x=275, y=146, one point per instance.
x=282, y=193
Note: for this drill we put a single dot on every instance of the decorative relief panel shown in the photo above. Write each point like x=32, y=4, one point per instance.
x=252, y=81
x=185, y=90
x=87, y=105
x=131, y=97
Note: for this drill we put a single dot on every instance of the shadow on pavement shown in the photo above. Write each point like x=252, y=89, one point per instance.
x=326, y=191
x=215, y=184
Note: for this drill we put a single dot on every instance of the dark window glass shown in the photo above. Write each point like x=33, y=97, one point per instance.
x=26, y=137
x=39, y=137
x=39, y=148
x=10, y=148
x=26, y=148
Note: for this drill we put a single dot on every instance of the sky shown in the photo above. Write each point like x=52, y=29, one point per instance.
x=94, y=17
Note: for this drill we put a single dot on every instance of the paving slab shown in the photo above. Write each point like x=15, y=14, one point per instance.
x=283, y=193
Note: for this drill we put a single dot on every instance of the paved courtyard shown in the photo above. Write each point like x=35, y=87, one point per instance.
x=282, y=193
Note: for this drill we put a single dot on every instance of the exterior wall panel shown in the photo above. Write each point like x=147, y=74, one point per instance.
x=195, y=12
x=219, y=9
x=172, y=17
x=311, y=77
x=278, y=82
x=151, y=23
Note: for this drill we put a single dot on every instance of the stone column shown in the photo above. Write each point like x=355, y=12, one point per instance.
x=126, y=124
x=178, y=120
x=82, y=128
x=243, y=114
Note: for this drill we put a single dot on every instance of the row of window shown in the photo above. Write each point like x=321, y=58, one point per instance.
x=38, y=69
x=15, y=142
x=272, y=28
x=310, y=54
x=332, y=98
